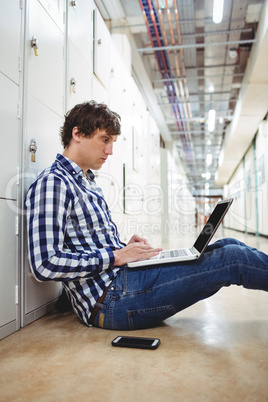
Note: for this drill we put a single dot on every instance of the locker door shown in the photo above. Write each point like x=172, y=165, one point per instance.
x=10, y=29
x=79, y=52
x=9, y=318
x=43, y=116
x=101, y=53
x=10, y=17
x=8, y=270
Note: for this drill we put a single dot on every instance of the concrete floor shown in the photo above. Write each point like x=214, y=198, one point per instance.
x=216, y=350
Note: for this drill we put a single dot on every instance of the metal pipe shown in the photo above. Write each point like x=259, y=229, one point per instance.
x=195, y=132
x=233, y=100
x=195, y=45
x=198, y=77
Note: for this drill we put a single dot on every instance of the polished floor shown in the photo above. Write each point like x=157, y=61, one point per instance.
x=216, y=350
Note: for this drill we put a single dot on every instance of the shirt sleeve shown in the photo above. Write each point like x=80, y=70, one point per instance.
x=48, y=205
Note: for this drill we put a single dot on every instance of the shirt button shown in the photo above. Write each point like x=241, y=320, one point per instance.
x=112, y=288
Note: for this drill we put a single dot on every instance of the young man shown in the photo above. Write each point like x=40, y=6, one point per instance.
x=73, y=239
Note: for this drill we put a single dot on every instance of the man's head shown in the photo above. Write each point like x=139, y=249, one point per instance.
x=88, y=134
x=88, y=117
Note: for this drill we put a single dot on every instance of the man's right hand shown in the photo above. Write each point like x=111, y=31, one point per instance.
x=134, y=252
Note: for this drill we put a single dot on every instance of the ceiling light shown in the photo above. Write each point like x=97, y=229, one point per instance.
x=217, y=11
x=211, y=120
x=209, y=159
x=211, y=88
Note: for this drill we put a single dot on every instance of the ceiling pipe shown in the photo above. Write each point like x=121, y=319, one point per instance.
x=196, y=45
x=200, y=77
x=155, y=38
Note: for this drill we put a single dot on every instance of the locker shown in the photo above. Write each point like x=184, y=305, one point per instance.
x=79, y=53
x=80, y=28
x=56, y=9
x=262, y=174
x=79, y=79
x=101, y=50
x=45, y=71
x=116, y=83
x=99, y=93
x=10, y=26
x=250, y=191
x=9, y=147
x=44, y=107
x=8, y=270
x=42, y=126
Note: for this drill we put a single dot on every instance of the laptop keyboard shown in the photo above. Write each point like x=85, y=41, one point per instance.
x=180, y=252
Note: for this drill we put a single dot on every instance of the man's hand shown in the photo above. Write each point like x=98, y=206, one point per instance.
x=138, y=239
x=137, y=249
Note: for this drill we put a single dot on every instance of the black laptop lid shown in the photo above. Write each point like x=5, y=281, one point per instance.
x=212, y=224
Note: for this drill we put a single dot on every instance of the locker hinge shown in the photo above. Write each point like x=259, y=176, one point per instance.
x=21, y=4
x=16, y=294
x=17, y=226
x=18, y=110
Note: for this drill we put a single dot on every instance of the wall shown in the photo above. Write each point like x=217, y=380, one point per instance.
x=77, y=59
x=249, y=187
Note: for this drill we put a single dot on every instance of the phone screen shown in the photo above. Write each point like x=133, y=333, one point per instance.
x=136, y=342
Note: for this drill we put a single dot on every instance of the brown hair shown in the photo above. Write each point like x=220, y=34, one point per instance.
x=88, y=117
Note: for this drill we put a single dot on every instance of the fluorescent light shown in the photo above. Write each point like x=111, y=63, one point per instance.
x=211, y=88
x=217, y=11
x=209, y=159
x=211, y=120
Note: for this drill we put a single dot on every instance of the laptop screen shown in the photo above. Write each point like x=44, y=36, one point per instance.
x=212, y=224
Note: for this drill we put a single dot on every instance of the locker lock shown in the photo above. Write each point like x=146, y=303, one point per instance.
x=33, y=149
x=74, y=3
x=35, y=45
x=73, y=85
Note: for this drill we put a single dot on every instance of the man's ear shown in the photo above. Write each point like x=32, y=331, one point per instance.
x=76, y=134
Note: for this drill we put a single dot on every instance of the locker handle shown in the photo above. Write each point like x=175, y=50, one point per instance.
x=35, y=45
x=33, y=149
x=73, y=84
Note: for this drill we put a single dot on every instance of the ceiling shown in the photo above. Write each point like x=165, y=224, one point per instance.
x=185, y=65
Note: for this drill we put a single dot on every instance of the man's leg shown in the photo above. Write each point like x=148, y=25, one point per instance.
x=143, y=297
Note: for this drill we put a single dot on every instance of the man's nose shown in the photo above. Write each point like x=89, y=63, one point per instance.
x=109, y=149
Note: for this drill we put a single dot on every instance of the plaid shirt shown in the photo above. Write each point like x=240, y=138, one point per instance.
x=71, y=235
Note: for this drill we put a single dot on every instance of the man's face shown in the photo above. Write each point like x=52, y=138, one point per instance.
x=95, y=150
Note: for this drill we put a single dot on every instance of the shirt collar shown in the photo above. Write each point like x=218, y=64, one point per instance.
x=73, y=168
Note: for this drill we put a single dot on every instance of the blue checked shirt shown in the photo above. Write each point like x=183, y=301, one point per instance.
x=71, y=235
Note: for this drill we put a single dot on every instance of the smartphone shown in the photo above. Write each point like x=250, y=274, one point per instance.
x=136, y=342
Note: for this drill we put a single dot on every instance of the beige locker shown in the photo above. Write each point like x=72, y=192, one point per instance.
x=79, y=52
x=44, y=107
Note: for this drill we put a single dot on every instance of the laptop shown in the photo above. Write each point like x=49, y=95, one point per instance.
x=194, y=252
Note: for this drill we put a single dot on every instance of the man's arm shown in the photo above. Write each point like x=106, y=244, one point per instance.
x=49, y=203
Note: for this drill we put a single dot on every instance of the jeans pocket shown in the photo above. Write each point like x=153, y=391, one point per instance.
x=149, y=317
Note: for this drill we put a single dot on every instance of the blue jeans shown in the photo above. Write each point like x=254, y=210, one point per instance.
x=143, y=297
